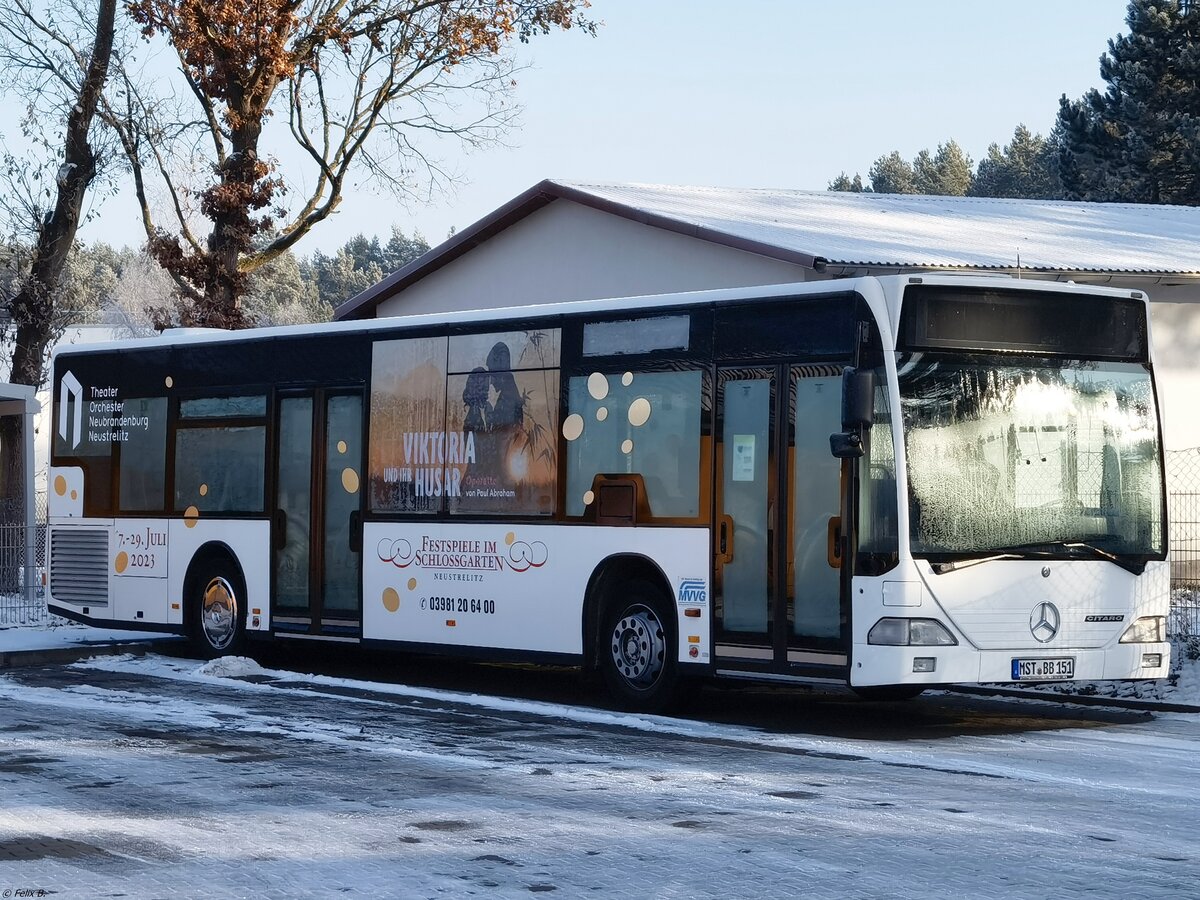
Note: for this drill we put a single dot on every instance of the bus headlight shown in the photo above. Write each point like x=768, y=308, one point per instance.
x=910, y=632
x=1146, y=630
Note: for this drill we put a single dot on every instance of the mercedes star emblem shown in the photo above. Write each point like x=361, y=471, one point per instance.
x=1044, y=622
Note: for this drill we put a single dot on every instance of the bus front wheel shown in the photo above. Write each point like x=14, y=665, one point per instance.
x=637, y=649
x=218, y=609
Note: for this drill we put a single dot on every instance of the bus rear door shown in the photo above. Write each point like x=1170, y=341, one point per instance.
x=316, y=528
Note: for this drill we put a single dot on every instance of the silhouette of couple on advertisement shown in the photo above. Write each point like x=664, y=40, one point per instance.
x=495, y=423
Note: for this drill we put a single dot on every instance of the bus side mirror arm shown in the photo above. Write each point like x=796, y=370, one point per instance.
x=858, y=413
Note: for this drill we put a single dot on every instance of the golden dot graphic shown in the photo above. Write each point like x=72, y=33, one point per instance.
x=509, y=538
x=204, y=490
x=74, y=495
x=627, y=379
x=122, y=562
x=639, y=412
x=627, y=446
x=169, y=381
x=588, y=497
x=412, y=584
x=190, y=515
x=60, y=485
x=573, y=426
x=601, y=413
x=341, y=446
x=350, y=481
x=597, y=386
x=391, y=600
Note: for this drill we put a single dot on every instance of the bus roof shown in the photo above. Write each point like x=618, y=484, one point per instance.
x=868, y=286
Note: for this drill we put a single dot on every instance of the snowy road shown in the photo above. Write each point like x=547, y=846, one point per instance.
x=156, y=777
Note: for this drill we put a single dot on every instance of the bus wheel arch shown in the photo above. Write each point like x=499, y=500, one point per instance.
x=630, y=632
x=215, y=603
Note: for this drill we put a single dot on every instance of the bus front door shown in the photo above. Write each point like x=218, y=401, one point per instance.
x=317, y=529
x=777, y=585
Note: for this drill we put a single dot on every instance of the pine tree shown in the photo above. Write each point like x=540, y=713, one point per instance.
x=1027, y=168
x=891, y=174
x=847, y=184
x=1139, y=141
x=401, y=249
x=946, y=173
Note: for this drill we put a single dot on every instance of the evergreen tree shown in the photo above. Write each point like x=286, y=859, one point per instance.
x=401, y=249
x=1027, y=168
x=338, y=277
x=847, y=184
x=946, y=173
x=279, y=294
x=891, y=174
x=365, y=253
x=1139, y=141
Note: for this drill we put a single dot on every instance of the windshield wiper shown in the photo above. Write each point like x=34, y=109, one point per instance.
x=941, y=568
x=1037, y=551
x=1136, y=566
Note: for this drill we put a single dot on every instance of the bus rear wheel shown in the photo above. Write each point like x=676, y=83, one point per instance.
x=218, y=610
x=637, y=650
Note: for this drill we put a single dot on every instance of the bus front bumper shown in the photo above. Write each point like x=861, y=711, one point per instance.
x=877, y=665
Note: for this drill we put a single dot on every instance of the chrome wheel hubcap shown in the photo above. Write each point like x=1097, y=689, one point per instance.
x=218, y=617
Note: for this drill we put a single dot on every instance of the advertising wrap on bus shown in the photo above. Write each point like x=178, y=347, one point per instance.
x=484, y=586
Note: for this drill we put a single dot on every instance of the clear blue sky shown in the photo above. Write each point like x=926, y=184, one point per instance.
x=760, y=93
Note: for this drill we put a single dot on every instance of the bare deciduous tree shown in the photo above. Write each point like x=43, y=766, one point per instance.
x=337, y=86
x=63, y=85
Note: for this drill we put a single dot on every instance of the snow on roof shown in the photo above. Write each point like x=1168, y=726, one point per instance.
x=916, y=230
x=889, y=230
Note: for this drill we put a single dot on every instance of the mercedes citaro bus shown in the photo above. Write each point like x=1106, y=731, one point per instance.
x=891, y=483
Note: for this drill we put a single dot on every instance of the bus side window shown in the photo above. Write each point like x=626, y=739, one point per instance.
x=143, y=468
x=636, y=423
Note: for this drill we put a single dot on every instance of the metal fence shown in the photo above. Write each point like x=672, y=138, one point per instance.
x=15, y=608
x=1183, y=512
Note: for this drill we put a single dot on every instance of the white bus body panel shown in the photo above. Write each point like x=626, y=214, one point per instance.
x=988, y=608
x=148, y=561
x=250, y=541
x=517, y=587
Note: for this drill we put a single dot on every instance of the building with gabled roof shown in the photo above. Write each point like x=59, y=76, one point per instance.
x=564, y=240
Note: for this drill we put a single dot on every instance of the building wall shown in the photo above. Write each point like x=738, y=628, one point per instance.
x=566, y=251
x=1176, y=336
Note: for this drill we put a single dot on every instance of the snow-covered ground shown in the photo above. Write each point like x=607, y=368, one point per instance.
x=58, y=634
x=158, y=777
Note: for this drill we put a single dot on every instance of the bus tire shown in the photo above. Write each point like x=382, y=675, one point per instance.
x=637, y=649
x=217, y=607
x=890, y=692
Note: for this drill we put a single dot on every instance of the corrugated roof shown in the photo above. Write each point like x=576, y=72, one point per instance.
x=888, y=230
x=917, y=230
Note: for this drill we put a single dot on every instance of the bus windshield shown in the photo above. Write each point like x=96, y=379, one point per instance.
x=1018, y=455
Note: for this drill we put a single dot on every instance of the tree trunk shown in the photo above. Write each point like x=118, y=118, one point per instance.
x=33, y=308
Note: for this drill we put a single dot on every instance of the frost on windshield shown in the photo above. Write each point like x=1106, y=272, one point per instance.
x=1003, y=454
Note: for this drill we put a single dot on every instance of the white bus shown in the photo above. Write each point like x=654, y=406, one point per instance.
x=891, y=483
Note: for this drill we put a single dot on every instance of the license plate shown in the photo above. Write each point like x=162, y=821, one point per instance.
x=1061, y=667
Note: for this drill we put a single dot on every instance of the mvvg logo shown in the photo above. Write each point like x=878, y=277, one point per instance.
x=693, y=590
x=70, y=390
